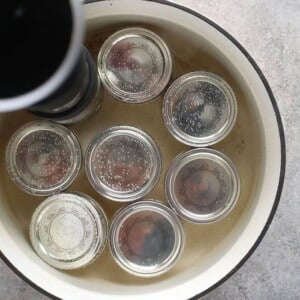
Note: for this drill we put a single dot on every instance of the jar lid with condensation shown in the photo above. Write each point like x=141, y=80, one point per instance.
x=135, y=65
x=202, y=185
x=199, y=109
x=43, y=158
x=146, y=238
x=68, y=230
x=123, y=163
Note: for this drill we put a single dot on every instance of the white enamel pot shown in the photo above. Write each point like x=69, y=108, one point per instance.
x=256, y=146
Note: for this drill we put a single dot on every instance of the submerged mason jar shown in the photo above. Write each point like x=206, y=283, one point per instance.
x=69, y=230
x=199, y=109
x=78, y=98
x=123, y=163
x=43, y=158
x=135, y=65
x=146, y=238
x=202, y=185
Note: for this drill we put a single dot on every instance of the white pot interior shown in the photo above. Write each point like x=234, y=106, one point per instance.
x=212, y=250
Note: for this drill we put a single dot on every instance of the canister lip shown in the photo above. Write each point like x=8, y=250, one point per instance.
x=208, y=154
x=180, y=84
x=90, y=219
x=61, y=74
x=147, y=205
x=150, y=146
x=165, y=59
x=68, y=137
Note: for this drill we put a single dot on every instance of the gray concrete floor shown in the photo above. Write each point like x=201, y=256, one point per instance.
x=270, y=31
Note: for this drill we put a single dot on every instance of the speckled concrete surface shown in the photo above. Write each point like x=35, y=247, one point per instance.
x=270, y=31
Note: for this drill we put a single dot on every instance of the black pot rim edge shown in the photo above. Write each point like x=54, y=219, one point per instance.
x=283, y=155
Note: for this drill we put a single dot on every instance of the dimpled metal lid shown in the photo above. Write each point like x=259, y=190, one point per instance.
x=135, y=65
x=199, y=109
x=43, y=157
x=202, y=185
x=68, y=230
x=146, y=238
x=123, y=163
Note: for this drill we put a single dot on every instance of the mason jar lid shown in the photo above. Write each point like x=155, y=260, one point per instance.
x=43, y=157
x=199, y=109
x=135, y=65
x=68, y=230
x=202, y=185
x=123, y=163
x=146, y=238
